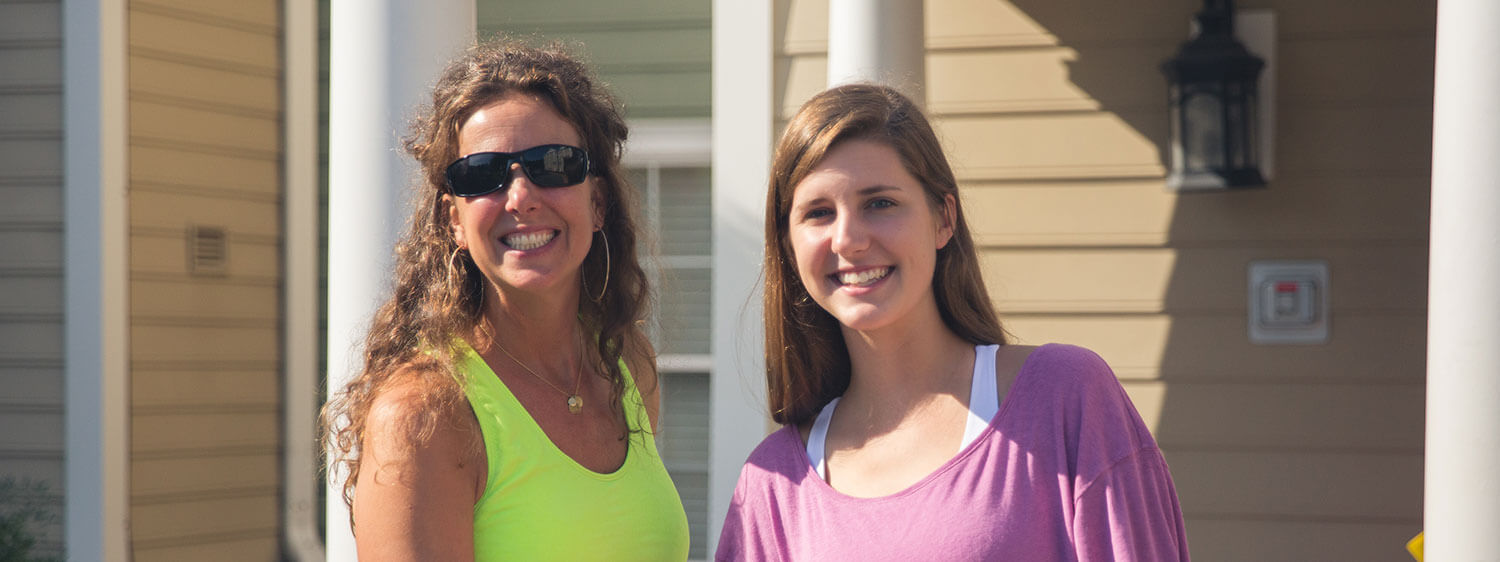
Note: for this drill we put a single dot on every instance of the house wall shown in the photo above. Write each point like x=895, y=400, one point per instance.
x=31, y=255
x=205, y=142
x=1054, y=115
x=653, y=55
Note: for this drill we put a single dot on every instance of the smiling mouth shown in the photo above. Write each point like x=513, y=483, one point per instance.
x=524, y=241
x=862, y=278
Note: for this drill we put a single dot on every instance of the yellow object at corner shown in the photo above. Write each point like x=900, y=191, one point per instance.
x=1414, y=546
x=540, y=504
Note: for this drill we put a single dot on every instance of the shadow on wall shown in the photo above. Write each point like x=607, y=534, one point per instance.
x=1290, y=452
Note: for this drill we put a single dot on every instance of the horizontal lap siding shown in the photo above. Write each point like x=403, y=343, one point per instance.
x=1054, y=117
x=1371, y=277
x=654, y=56
x=205, y=142
x=31, y=257
x=1383, y=347
x=1306, y=210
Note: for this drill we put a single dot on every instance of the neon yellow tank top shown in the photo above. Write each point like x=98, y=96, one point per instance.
x=540, y=504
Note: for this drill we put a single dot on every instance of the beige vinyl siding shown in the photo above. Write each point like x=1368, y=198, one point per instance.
x=1054, y=115
x=204, y=152
x=654, y=55
x=31, y=256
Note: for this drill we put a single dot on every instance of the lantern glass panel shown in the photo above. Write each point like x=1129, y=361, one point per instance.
x=1252, y=130
x=1203, y=132
x=1174, y=112
x=1236, y=122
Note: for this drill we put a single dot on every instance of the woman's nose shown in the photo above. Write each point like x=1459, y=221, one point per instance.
x=849, y=235
x=520, y=195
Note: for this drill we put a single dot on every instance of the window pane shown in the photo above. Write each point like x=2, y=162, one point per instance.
x=684, y=310
x=686, y=220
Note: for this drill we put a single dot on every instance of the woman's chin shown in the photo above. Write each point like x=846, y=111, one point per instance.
x=862, y=318
x=532, y=282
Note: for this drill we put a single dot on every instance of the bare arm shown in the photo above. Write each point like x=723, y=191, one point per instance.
x=414, y=499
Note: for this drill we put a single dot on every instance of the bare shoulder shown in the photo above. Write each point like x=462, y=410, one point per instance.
x=1009, y=359
x=643, y=371
x=409, y=402
x=398, y=402
x=647, y=379
x=1012, y=356
x=419, y=475
x=412, y=428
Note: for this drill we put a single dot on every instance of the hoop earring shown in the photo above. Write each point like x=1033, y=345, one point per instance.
x=605, y=288
x=454, y=256
x=455, y=271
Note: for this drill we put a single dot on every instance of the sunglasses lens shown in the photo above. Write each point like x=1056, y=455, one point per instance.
x=479, y=174
x=552, y=165
x=555, y=165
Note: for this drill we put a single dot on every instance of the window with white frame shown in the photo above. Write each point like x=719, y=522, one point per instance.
x=668, y=162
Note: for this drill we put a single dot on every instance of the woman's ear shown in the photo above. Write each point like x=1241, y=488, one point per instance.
x=946, y=219
x=455, y=226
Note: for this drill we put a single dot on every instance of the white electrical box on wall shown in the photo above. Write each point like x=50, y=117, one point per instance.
x=1288, y=302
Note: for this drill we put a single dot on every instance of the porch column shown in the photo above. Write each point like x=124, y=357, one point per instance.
x=741, y=139
x=1462, y=510
x=384, y=57
x=877, y=41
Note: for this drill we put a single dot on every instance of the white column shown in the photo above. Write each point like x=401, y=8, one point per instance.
x=1462, y=512
x=742, y=123
x=384, y=57
x=877, y=41
x=95, y=282
x=299, y=307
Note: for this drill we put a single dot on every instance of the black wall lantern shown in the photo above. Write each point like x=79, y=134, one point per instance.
x=1211, y=83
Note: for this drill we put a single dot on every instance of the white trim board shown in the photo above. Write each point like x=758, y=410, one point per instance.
x=668, y=142
x=95, y=281
x=300, y=474
x=742, y=129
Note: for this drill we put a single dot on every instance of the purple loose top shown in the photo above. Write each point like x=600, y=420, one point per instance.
x=1065, y=471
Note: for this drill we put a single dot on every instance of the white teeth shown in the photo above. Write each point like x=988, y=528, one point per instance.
x=865, y=277
x=529, y=240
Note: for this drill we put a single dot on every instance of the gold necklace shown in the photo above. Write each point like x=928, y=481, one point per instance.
x=575, y=402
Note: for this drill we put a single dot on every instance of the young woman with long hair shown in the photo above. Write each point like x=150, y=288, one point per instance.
x=914, y=430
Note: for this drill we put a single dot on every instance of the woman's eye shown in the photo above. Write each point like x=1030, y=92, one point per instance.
x=882, y=203
x=817, y=214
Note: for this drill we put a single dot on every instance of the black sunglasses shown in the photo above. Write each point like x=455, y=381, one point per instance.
x=548, y=165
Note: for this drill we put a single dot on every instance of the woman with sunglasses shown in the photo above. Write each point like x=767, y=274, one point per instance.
x=508, y=397
x=913, y=429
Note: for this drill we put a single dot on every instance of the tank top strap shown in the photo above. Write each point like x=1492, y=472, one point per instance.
x=818, y=438
x=984, y=401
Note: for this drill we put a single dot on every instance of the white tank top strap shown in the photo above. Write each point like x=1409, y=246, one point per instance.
x=984, y=400
x=818, y=437
x=984, y=403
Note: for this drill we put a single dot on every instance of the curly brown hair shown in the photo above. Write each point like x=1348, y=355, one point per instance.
x=437, y=299
x=807, y=362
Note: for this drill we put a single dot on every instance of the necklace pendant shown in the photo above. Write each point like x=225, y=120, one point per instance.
x=575, y=404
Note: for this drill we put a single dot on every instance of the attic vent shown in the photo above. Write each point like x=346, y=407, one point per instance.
x=207, y=250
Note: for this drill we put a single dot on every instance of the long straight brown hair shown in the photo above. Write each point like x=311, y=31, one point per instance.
x=807, y=363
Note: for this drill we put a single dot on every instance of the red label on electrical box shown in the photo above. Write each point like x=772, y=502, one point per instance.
x=1286, y=287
